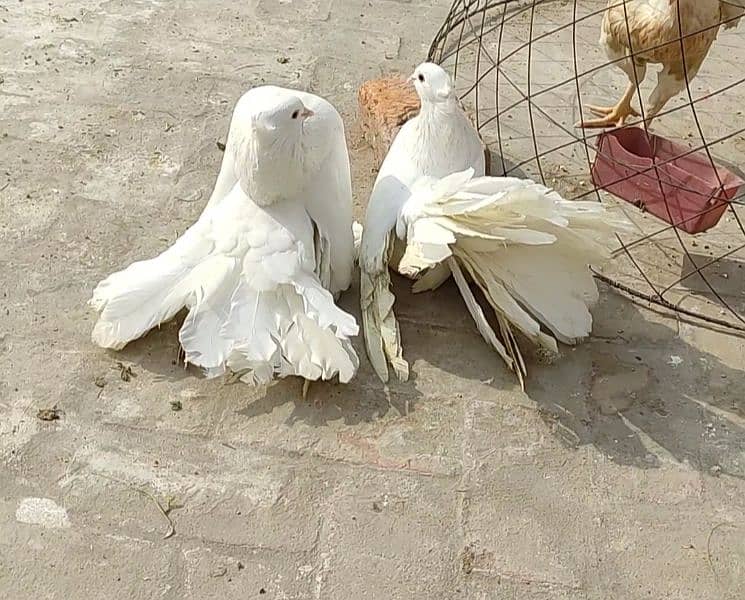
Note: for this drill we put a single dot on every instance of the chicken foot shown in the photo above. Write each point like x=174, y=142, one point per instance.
x=612, y=116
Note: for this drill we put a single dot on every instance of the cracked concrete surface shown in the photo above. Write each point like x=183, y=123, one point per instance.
x=618, y=475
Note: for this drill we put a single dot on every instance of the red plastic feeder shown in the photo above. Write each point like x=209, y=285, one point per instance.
x=685, y=189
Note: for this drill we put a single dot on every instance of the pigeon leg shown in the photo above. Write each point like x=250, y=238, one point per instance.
x=306, y=387
x=181, y=356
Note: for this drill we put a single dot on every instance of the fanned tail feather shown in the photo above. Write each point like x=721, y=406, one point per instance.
x=479, y=318
x=432, y=278
x=526, y=248
x=145, y=294
x=293, y=329
x=258, y=328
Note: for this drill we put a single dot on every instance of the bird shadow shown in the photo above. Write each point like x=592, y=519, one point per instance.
x=157, y=352
x=364, y=399
x=699, y=271
x=638, y=390
x=432, y=325
x=327, y=402
x=645, y=396
x=437, y=329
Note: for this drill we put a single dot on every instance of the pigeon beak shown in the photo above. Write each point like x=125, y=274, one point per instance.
x=307, y=113
x=412, y=78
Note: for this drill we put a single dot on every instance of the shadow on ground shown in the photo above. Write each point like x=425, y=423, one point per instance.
x=636, y=390
x=643, y=395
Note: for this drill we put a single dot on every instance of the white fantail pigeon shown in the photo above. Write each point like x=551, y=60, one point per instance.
x=525, y=247
x=326, y=186
x=255, y=270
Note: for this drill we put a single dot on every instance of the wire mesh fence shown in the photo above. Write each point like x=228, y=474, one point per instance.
x=531, y=72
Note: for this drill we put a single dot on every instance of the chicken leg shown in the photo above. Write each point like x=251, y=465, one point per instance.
x=670, y=83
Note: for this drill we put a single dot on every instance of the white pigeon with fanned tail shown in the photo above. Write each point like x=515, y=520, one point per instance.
x=251, y=269
x=525, y=247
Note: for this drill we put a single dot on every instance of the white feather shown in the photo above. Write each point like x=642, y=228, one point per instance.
x=382, y=334
x=436, y=143
x=357, y=233
x=253, y=276
x=327, y=187
x=526, y=247
x=535, y=272
x=477, y=313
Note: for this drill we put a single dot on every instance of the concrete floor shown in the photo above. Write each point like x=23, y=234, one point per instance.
x=619, y=475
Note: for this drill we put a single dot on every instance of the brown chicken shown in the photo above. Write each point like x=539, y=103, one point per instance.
x=638, y=32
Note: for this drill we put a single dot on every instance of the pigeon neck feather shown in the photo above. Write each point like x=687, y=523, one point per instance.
x=438, y=133
x=269, y=171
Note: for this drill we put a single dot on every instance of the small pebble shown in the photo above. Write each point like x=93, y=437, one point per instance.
x=219, y=572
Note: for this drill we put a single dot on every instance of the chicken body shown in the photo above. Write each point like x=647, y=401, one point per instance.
x=638, y=32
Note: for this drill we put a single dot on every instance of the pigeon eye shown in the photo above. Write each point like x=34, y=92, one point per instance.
x=421, y=77
x=295, y=114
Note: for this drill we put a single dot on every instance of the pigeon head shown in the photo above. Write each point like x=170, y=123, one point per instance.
x=283, y=121
x=433, y=84
x=270, y=156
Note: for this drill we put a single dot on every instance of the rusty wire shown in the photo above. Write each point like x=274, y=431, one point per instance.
x=478, y=26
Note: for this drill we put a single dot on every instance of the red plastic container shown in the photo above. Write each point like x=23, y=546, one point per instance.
x=684, y=190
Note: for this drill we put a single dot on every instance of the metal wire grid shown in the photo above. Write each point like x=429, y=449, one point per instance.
x=481, y=39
